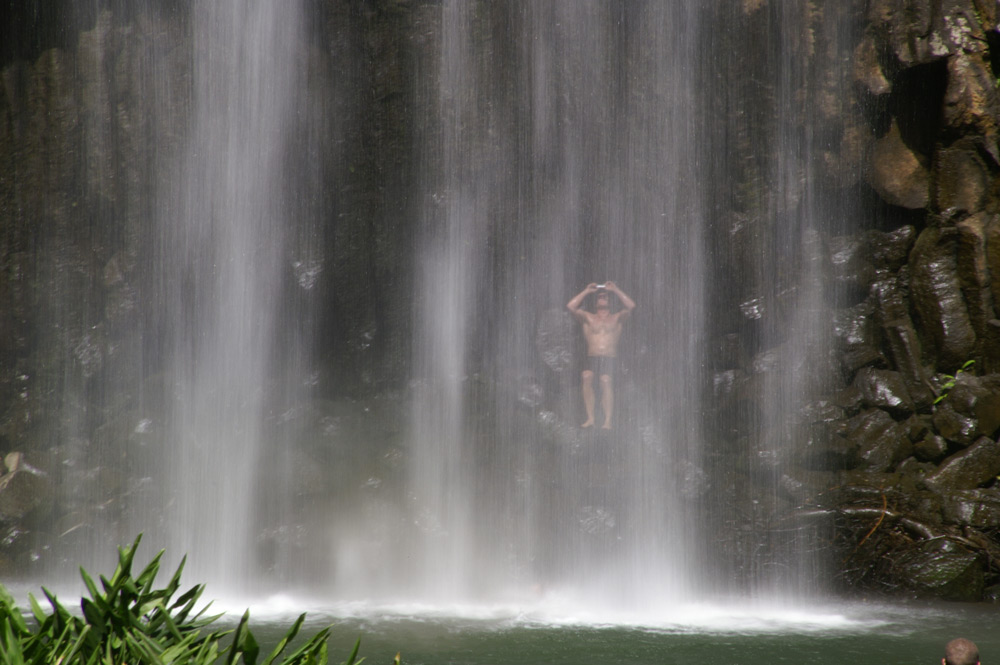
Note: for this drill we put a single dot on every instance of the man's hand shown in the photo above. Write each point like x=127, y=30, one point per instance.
x=591, y=287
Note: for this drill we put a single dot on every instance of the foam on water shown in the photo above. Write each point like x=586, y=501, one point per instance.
x=560, y=611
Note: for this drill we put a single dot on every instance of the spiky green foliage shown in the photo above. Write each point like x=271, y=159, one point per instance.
x=951, y=379
x=127, y=620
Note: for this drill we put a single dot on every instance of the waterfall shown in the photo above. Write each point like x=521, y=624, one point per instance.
x=569, y=156
x=539, y=147
x=226, y=234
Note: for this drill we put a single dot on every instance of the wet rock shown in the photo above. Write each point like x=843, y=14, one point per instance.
x=821, y=411
x=802, y=485
x=857, y=333
x=554, y=339
x=884, y=389
x=978, y=508
x=973, y=272
x=890, y=296
x=917, y=427
x=991, y=346
x=942, y=569
x=904, y=31
x=932, y=448
x=954, y=426
x=881, y=442
x=25, y=495
x=969, y=468
x=937, y=296
x=961, y=178
x=901, y=338
x=978, y=398
x=850, y=262
x=970, y=101
x=987, y=406
x=890, y=251
x=729, y=384
x=898, y=173
x=849, y=399
x=914, y=469
x=867, y=71
x=820, y=449
x=728, y=352
x=991, y=231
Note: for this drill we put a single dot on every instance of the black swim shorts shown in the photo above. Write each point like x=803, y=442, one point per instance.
x=601, y=365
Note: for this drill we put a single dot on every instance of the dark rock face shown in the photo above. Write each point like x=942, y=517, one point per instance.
x=913, y=294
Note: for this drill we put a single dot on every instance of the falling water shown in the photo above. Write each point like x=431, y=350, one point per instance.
x=569, y=157
x=566, y=143
x=225, y=239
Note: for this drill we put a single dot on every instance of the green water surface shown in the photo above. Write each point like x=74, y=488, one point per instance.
x=874, y=635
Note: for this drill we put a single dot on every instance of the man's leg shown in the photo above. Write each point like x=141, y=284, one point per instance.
x=587, y=384
x=607, y=399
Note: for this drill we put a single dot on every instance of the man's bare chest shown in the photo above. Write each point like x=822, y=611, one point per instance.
x=603, y=327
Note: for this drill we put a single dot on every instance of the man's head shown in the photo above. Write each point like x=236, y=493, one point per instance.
x=603, y=299
x=960, y=652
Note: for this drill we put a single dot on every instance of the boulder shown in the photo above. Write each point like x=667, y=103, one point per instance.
x=942, y=569
x=917, y=427
x=970, y=101
x=978, y=398
x=884, y=389
x=973, y=271
x=25, y=494
x=889, y=294
x=802, y=486
x=904, y=350
x=954, y=426
x=857, y=334
x=905, y=32
x=932, y=448
x=850, y=262
x=991, y=232
x=969, y=468
x=991, y=347
x=820, y=449
x=898, y=173
x=889, y=251
x=867, y=71
x=892, y=308
x=914, y=470
x=937, y=296
x=961, y=179
x=979, y=508
x=880, y=440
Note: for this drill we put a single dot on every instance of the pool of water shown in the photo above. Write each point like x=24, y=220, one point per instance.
x=751, y=634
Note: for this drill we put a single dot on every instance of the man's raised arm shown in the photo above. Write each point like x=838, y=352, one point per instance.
x=626, y=301
x=574, y=305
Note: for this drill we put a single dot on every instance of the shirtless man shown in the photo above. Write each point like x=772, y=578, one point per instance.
x=601, y=329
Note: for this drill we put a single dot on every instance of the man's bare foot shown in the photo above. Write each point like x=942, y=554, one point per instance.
x=589, y=423
x=606, y=426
